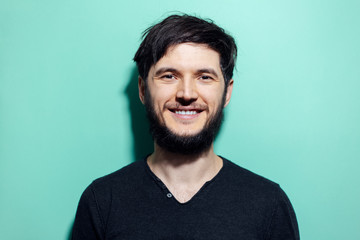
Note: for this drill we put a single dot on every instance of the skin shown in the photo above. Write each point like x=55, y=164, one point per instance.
x=188, y=78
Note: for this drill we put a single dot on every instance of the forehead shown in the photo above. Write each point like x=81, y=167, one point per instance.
x=190, y=56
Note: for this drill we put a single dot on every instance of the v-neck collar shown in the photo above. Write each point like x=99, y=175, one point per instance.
x=167, y=192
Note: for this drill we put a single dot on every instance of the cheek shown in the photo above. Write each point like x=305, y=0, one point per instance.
x=159, y=99
x=161, y=94
x=213, y=96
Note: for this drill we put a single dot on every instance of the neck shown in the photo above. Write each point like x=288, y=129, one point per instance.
x=184, y=173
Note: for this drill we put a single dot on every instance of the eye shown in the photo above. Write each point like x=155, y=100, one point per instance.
x=206, y=77
x=168, y=76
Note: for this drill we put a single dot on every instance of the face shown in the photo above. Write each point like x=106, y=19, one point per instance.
x=185, y=90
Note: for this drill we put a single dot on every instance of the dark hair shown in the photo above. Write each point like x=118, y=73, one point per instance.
x=177, y=29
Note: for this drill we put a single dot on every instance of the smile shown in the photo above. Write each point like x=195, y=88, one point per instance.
x=190, y=114
x=186, y=112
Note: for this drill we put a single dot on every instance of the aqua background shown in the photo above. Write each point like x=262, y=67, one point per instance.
x=69, y=111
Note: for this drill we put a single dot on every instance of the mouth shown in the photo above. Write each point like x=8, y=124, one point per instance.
x=186, y=114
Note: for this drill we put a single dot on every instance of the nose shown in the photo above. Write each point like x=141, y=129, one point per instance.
x=187, y=91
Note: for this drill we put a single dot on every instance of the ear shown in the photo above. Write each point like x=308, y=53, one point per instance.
x=229, y=92
x=141, y=86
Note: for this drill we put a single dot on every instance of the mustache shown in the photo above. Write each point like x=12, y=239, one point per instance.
x=177, y=105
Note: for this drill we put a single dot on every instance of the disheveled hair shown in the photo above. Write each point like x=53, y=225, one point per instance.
x=177, y=29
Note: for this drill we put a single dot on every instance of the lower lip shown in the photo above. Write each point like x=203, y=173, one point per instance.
x=186, y=116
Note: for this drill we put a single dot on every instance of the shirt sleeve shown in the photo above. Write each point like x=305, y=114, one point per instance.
x=283, y=225
x=88, y=223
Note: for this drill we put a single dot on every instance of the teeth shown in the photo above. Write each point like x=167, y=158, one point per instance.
x=185, y=112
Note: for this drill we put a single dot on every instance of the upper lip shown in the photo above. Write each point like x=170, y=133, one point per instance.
x=192, y=107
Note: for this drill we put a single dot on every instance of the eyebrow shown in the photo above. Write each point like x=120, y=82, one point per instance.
x=208, y=70
x=173, y=70
x=165, y=69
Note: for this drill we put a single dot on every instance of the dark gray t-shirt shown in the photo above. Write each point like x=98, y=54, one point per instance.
x=132, y=203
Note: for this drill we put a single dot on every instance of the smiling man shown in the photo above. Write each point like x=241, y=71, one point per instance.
x=183, y=190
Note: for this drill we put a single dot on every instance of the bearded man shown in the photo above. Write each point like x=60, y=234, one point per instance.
x=183, y=190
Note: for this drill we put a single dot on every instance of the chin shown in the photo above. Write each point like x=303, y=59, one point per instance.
x=185, y=133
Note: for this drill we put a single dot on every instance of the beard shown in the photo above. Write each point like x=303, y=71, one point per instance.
x=184, y=144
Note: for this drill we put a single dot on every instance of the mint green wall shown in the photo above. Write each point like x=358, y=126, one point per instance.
x=66, y=78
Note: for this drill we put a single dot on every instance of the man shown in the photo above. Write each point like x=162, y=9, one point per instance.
x=183, y=190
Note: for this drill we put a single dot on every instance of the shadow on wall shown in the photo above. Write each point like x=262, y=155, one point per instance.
x=69, y=234
x=142, y=140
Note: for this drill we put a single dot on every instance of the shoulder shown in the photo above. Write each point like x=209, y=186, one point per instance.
x=131, y=173
x=95, y=203
x=241, y=175
x=120, y=182
x=247, y=183
x=119, y=185
x=251, y=191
